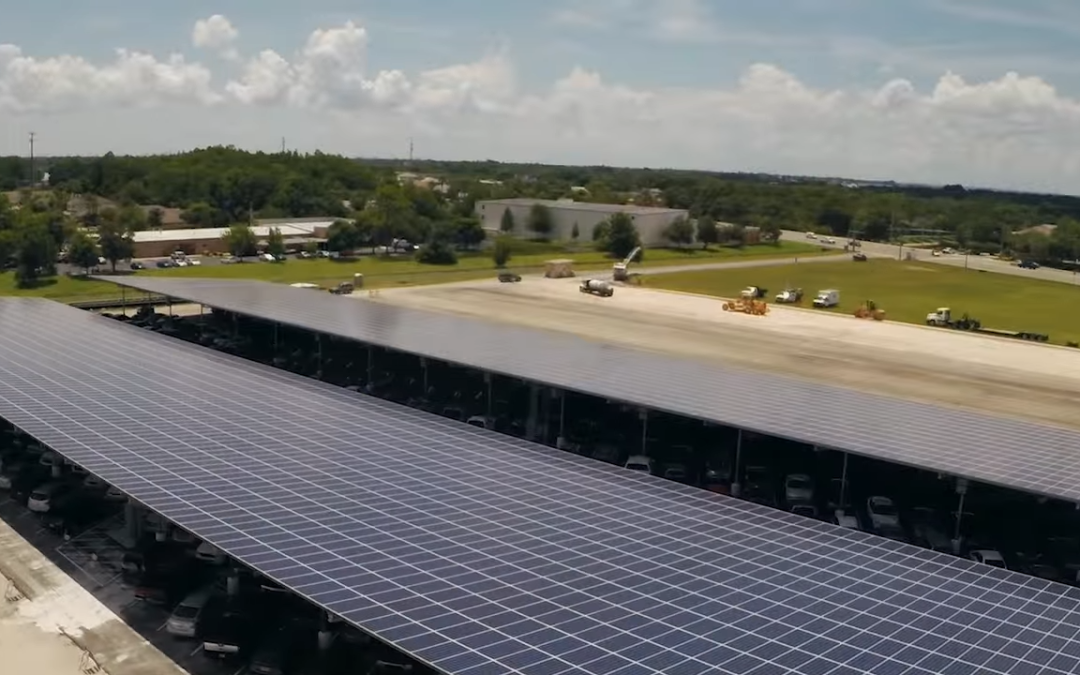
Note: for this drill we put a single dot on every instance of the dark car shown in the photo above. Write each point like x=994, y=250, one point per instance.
x=165, y=264
x=509, y=277
x=859, y=257
x=1028, y=265
x=137, y=266
x=231, y=626
x=282, y=650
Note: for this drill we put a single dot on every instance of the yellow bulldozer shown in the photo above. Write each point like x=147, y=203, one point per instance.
x=870, y=310
x=749, y=302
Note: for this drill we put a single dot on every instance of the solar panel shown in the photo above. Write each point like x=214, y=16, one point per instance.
x=1017, y=454
x=486, y=555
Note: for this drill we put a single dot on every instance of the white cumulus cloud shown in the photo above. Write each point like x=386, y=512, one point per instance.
x=1016, y=130
x=216, y=34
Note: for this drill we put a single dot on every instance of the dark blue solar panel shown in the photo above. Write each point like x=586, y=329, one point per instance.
x=486, y=555
x=1019, y=454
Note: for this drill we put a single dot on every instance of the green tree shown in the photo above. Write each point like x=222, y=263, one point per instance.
x=501, y=251
x=707, y=232
x=342, y=236
x=468, y=233
x=241, y=241
x=83, y=251
x=680, y=232
x=275, y=242
x=155, y=219
x=541, y=221
x=36, y=255
x=115, y=243
x=506, y=225
x=132, y=219
x=575, y=232
x=622, y=236
x=437, y=252
x=9, y=246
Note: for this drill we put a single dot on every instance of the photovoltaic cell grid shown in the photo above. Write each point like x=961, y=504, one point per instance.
x=1017, y=454
x=485, y=555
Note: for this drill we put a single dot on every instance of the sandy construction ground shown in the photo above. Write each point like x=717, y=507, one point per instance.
x=995, y=375
x=50, y=625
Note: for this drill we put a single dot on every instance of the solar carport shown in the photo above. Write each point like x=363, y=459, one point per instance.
x=1036, y=458
x=481, y=554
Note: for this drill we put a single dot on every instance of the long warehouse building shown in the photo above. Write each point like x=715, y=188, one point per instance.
x=1012, y=453
x=485, y=555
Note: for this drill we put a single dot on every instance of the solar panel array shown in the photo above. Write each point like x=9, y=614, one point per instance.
x=485, y=555
x=1037, y=458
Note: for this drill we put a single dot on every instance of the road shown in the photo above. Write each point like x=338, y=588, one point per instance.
x=975, y=262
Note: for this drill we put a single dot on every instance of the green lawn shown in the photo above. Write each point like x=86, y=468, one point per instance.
x=907, y=292
x=385, y=272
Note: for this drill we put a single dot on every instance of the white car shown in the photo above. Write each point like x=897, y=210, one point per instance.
x=676, y=472
x=811, y=235
x=211, y=554
x=828, y=240
x=844, y=519
x=266, y=257
x=988, y=557
x=92, y=482
x=228, y=260
x=883, y=513
x=798, y=487
x=639, y=463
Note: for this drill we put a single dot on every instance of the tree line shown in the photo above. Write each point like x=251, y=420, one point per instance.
x=224, y=186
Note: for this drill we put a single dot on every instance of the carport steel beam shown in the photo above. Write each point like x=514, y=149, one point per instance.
x=1017, y=454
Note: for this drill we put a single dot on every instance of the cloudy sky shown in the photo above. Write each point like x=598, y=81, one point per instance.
x=982, y=92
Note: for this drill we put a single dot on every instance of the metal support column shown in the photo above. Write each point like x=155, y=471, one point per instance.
x=843, y=483
x=489, y=381
x=736, y=473
x=562, y=419
x=123, y=299
x=424, y=375
x=169, y=304
x=275, y=338
x=319, y=355
x=961, y=489
x=532, y=424
x=370, y=364
x=644, y=415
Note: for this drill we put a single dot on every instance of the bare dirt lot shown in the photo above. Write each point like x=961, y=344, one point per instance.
x=994, y=375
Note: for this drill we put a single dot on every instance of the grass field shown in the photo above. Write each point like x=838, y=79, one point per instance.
x=907, y=292
x=385, y=272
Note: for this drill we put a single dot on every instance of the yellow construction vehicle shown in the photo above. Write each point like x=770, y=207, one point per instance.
x=749, y=302
x=870, y=310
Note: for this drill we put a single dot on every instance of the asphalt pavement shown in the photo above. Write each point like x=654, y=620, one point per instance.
x=975, y=262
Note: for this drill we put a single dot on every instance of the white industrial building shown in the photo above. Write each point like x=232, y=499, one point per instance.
x=649, y=220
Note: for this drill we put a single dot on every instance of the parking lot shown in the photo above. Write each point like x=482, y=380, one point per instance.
x=995, y=525
x=184, y=597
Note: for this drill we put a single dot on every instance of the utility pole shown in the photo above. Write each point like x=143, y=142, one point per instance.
x=33, y=173
x=410, y=151
x=283, y=145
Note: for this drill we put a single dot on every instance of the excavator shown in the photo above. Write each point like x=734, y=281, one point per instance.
x=749, y=302
x=621, y=270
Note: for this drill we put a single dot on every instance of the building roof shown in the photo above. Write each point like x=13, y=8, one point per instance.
x=1018, y=454
x=288, y=229
x=569, y=205
x=486, y=555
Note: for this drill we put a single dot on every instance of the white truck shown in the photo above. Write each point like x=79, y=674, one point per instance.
x=829, y=297
x=597, y=287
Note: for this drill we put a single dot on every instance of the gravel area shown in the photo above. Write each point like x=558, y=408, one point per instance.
x=995, y=375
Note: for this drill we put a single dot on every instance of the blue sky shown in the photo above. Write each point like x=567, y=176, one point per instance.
x=477, y=79
x=825, y=42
